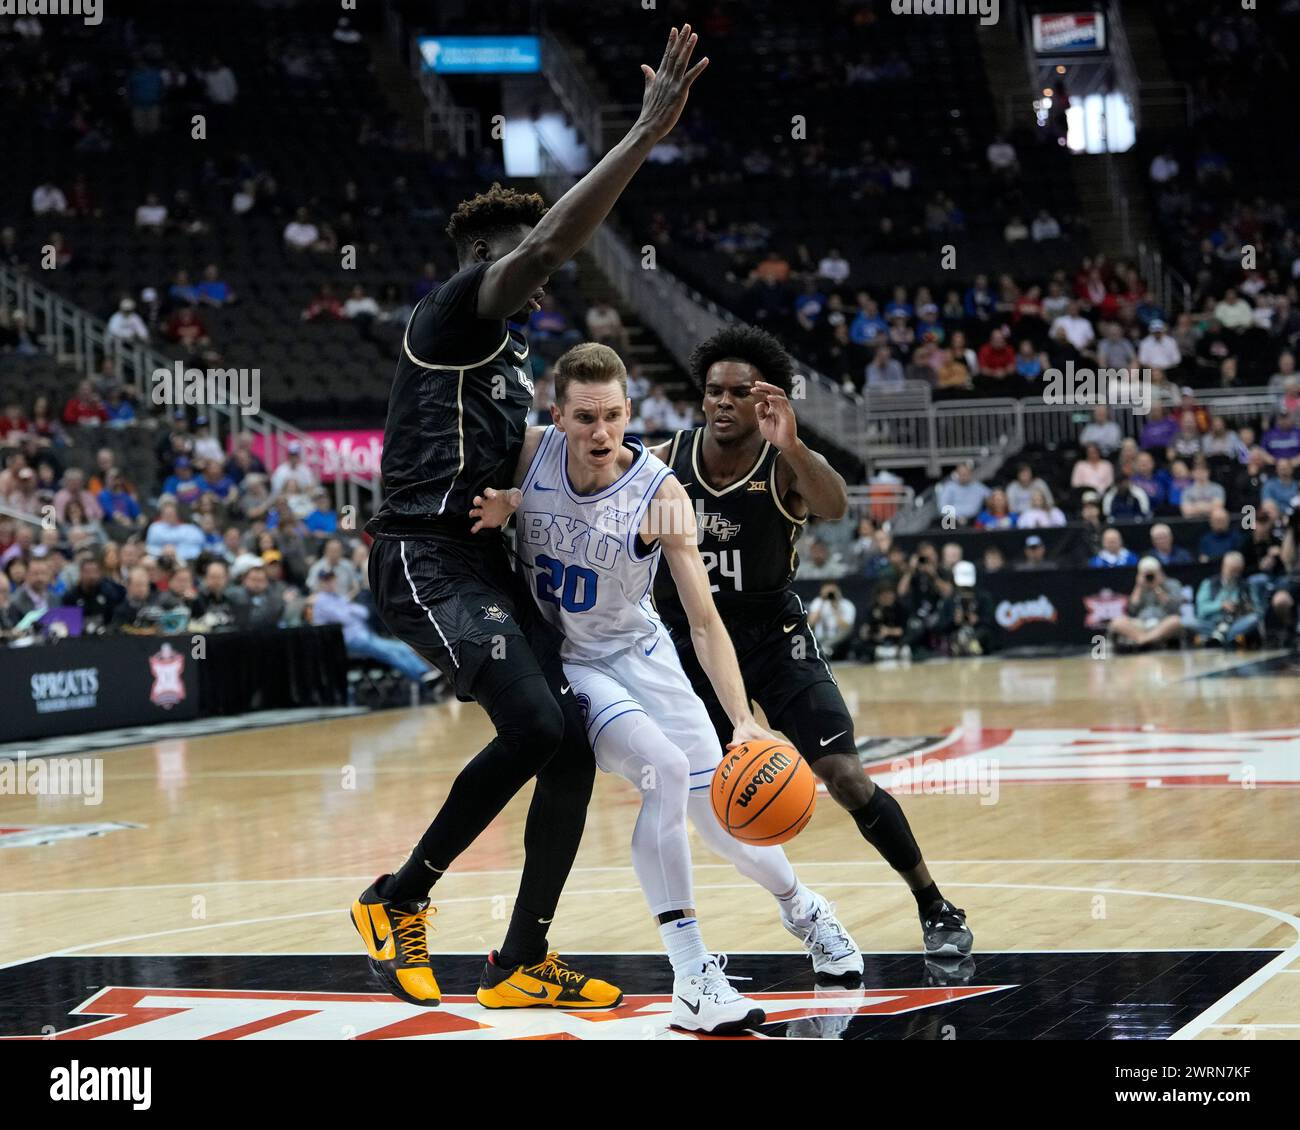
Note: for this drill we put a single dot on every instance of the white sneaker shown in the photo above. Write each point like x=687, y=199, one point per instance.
x=833, y=952
x=834, y=1010
x=706, y=1002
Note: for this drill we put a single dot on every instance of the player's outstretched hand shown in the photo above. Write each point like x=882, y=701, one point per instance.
x=775, y=413
x=667, y=88
x=751, y=731
x=493, y=508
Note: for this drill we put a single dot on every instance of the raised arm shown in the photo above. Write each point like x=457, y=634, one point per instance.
x=671, y=519
x=809, y=480
x=509, y=283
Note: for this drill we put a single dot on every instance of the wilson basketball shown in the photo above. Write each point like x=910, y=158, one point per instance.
x=763, y=792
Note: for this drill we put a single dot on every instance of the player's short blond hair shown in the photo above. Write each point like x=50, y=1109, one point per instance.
x=589, y=363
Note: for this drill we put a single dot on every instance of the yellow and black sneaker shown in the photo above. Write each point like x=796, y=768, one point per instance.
x=396, y=937
x=548, y=984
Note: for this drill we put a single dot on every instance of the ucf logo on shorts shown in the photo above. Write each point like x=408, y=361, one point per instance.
x=495, y=612
x=715, y=525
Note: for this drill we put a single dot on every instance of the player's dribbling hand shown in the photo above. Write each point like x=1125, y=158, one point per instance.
x=776, y=423
x=493, y=508
x=666, y=89
x=750, y=731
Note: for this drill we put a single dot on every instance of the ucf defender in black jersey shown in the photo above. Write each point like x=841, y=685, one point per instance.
x=456, y=417
x=755, y=483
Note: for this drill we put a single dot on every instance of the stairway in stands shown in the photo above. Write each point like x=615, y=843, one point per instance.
x=644, y=348
x=1103, y=181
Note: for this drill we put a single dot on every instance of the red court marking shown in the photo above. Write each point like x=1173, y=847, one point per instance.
x=242, y=1030
x=430, y=1023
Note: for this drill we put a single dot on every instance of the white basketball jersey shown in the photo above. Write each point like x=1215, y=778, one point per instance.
x=589, y=573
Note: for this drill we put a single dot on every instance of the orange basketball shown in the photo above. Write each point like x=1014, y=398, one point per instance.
x=763, y=792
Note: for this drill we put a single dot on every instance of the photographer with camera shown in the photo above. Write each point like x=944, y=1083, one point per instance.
x=1153, y=615
x=880, y=635
x=831, y=617
x=966, y=616
x=1225, y=607
x=923, y=587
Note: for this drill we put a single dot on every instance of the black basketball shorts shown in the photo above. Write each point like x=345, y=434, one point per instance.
x=441, y=594
x=784, y=673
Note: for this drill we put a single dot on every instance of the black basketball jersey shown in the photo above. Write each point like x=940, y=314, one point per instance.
x=747, y=541
x=456, y=413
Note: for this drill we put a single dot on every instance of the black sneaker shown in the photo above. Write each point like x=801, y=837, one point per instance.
x=944, y=931
x=941, y=972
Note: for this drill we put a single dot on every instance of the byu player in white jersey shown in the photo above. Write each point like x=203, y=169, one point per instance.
x=594, y=511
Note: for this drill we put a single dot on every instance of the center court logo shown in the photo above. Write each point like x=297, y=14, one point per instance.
x=987, y=10
x=232, y=1013
x=179, y=386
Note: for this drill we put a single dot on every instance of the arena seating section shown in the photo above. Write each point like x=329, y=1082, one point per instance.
x=824, y=192
x=1236, y=66
x=305, y=134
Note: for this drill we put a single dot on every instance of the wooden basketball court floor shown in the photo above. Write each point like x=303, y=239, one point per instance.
x=1121, y=832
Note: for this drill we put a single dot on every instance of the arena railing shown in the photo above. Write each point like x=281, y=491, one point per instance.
x=986, y=432
x=20, y=515
x=80, y=340
x=1171, y=291
x=600, y=121
x=682, y=318
x=882, y=502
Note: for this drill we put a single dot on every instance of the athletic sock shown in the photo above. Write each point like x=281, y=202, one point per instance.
x=927, y=897
x=525, y=942
x=796, y=905
x=685, y=945
x=410, y=882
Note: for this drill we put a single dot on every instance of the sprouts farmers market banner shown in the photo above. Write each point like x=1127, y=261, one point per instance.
x=334, y=451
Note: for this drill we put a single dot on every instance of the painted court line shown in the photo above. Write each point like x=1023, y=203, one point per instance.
x=801, y=864
x=1198, y=1024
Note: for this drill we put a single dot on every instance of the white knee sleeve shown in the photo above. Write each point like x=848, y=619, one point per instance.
x=635, y=748
x=767, y=866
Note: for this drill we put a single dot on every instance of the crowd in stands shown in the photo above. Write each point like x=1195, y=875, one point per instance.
x=929, y=601
x=999, y=337
x=225, y=545
x=1119, y=497
x=227, y=542
x=923, y=603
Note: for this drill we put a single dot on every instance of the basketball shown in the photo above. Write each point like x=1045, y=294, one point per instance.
x=763, y=793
